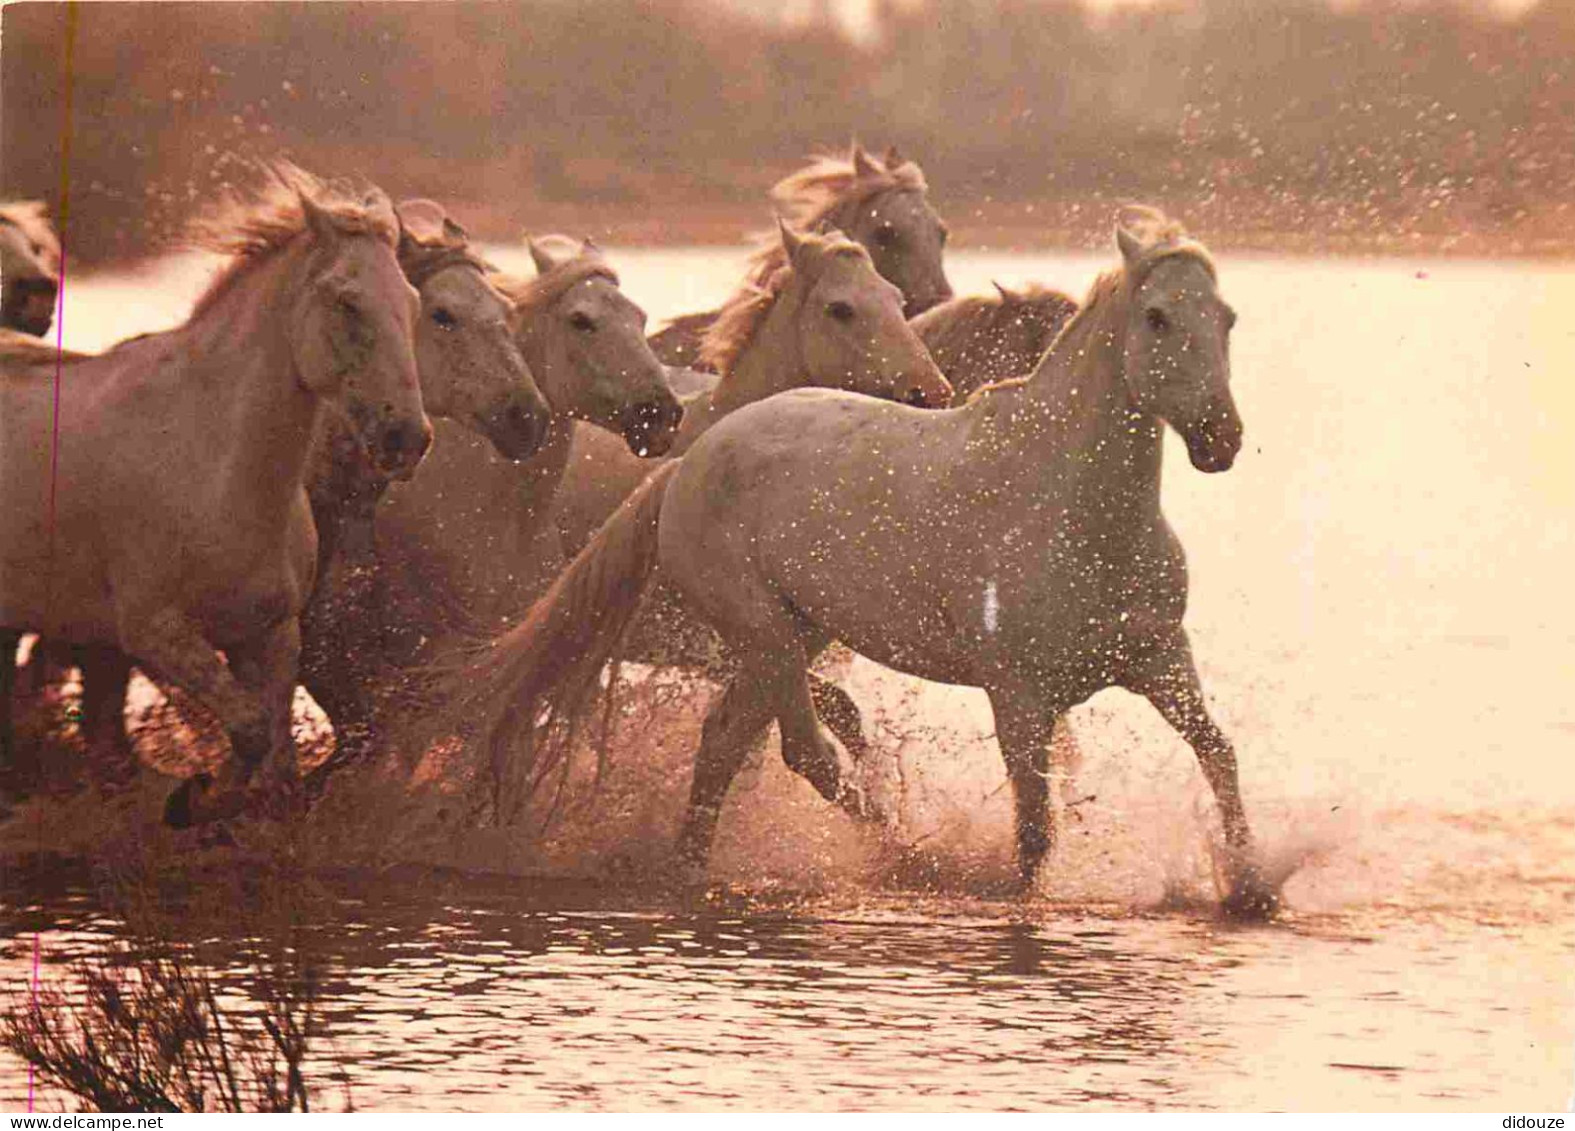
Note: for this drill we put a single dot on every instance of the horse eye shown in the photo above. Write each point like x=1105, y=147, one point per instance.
x=444, y=319
x=582, y=322
x=1157, y=321
x=886, y=234
x=841, y=311
x=1230, y=320
x=946, y=234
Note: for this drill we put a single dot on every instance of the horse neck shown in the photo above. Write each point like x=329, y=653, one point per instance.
x=1071, y=425
x=769, y=363
x=238, y=355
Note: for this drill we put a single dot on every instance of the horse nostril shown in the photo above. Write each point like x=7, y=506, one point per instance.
x=914, y=397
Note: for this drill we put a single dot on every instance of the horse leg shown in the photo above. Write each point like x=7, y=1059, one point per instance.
x=730, y=731
x=1023, y=728
x=106, y=674
x=171, y=646
x=841, y=715
x=806, y=748
x=267, y=666
x=1170, y=682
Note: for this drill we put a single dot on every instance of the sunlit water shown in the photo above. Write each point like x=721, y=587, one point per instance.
x=1380, y=606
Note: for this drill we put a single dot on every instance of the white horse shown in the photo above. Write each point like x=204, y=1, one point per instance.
x=1014, y=544
x=161, y=509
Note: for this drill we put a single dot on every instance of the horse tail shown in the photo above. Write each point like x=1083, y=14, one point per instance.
x=541, y=676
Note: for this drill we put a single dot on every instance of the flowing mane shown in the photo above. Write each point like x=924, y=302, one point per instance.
x=830, y=183
x=251, y=227
x=818, y=196
x=572, y=263
x=1111, y=290
x=434, y=245
x=740, y=316
x=954, y=331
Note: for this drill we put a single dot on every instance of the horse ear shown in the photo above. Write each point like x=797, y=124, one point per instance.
x=1138, y=230
x=1007, y=297
x=893, y=158
x=454, y=231
x=540, y=257
x=318, y=221
x=378, y=203
x=589, y=244
x=863, y=164
x=420, y=222
x=792, y=242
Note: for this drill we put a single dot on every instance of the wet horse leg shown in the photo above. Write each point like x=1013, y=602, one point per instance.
x=1023, y=728
x=170, y=644
x=106, y=675
x=1170, y=682
x=730, y=731
x=841, y=715
x=806, y=748
x=267, y=666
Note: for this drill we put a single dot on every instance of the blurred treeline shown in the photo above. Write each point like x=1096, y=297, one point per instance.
x=1366, y=125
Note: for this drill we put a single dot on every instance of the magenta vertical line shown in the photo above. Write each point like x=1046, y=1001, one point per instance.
x=63, y=215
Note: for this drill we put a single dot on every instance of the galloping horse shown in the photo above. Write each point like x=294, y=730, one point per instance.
x=470, y=371
x=470, y=538
x=779, y=332
x=170, y=520
x=881, y=204
x=1014, y=544
x=29, y=268
x=824, y=318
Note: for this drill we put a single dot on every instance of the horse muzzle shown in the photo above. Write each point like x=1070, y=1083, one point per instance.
x=518, y=429
x=1213, y=444
x=930, y=390
x=30, y=305
x=651, y=427
x=398, y=447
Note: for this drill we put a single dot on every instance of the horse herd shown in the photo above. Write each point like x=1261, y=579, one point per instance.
x=366, y=445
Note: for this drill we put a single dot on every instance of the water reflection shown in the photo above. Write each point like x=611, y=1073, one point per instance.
x=448, y=991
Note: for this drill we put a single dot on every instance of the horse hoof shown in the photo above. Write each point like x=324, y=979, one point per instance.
x=1251, y=900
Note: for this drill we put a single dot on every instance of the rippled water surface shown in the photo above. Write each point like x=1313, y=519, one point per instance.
x=1381, y=611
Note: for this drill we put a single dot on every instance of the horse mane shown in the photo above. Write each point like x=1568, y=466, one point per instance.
x=959, y=322
x=815, y=197
x=740, y=317
x=251, y=227
x=829, y=183
x=423, y=254
x=1111, y=291
x=577, y=263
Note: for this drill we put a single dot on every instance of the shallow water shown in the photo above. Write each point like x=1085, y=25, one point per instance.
x=1380, y=608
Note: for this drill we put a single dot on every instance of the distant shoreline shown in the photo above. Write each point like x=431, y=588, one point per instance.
x=993, y=226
